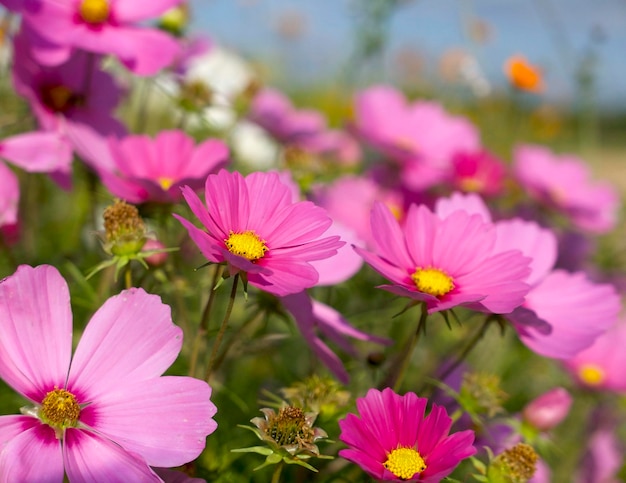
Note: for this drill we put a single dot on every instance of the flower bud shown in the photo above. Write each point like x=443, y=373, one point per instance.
x=548, y=410
x=155, y=259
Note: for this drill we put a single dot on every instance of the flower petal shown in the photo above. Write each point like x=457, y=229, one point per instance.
x=131, y=338
x=35, y=330
x=165, y=420
x=32, y=455
x=89, y=457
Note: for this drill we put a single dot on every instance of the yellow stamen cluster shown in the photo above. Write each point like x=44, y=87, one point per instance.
x=247, y=245
x=60, y=409
x=405, y=462
x=58, y=98
x=94, y=11
x=165, y=182
x=289, y=427
x=591, y=374
x=432, y=281
x=517, y=464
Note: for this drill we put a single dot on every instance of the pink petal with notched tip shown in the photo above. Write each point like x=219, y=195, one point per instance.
x=36, y=330
x=165, y=420
x=90, y=458
x=33, y=455
x=37, y=151
x=131, y=338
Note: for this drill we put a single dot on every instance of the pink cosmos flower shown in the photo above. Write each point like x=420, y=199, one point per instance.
x=601, y=366
x=563, y=183
x=101, y=27
x=253, y=225
x=446, y=262
x=149, y=169
x=75, y=99
x=421, y=136
x=105, y=413
x=563, y=312
x=394, y=440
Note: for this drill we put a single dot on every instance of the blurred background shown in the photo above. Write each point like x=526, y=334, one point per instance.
x=578, y=44
x=453, y=51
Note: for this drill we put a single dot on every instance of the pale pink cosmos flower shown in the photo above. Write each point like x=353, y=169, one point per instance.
x=564, y=183
x=254, y=226
x=601, y=366
x=421, y=136
x=446, y=262
x=563, y=312
x=394, y=440
x=154, y=169
x=107, y=412
x=75, y=99
x=101, y=27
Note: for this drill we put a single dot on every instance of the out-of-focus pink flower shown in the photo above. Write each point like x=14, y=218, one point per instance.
x=156, y=259
x=477, y=172
x=101, y=27
x=148, y=169
x=548, y=410
x=421, y=136
x=253, y=225
x=303, y=128
x=314, y=318
x=601, y=366
x=563, y=312
x=394, y=440
x=36, y=152
x=105, y=413
x=603, y=460
x=349, y=200
x=446, y=262
x=75, y=99
x=564, y=183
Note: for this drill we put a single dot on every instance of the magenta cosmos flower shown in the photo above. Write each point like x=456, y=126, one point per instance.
x=102, y=27
x=564, y=184
x=106, y=413
x=394, y=440
x=253, y=225
x=446, y=262
x=149, y=169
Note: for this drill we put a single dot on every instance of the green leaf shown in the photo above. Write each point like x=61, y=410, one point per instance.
x=264, y=450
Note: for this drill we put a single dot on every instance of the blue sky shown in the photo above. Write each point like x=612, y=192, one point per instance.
x=555, y=34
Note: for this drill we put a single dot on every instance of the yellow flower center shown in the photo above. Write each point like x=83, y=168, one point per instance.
x=432, y=281
x=60, y=409
x=591, y=374
x=94, y=11
x=471, y=185
x=404, y=463
x=247, y=245
x=165, y=182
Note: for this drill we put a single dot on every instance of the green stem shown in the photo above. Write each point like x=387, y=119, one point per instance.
x=220, y=334
x=204, y=322
x=401, y=363
x=278, y=469
x=237, y=337
x=128, y=276
x=4, y=246
x=468, y=348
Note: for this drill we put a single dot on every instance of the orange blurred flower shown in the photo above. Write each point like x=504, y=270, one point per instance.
x=523, y=75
